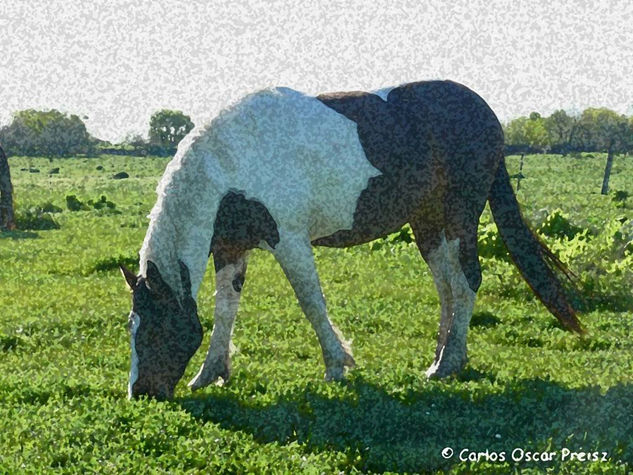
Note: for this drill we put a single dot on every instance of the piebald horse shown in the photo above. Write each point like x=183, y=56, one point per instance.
x=283, y=171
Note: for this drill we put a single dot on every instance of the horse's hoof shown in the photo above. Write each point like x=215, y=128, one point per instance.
x=197, y=382
x=335, y=374
x=348, y=361
x=443, y=369
x=436, y=371
x=209, y=374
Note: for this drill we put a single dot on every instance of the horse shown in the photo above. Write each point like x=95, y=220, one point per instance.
x=283, y=171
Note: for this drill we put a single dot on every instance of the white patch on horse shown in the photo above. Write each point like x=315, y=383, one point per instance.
x=135, y=321
x=457, y=300
x=217, y=362
x=383, y=92
x=299, y=158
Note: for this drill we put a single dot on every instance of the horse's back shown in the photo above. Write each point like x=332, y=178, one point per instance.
x=404, y=124
x=350, y=167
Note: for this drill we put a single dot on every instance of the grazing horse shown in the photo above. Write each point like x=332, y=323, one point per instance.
x=283, y=171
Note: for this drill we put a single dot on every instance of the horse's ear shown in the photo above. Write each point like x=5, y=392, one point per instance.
x=154, y=279
x=188, y=302
x=130, y=277
x=185, y=278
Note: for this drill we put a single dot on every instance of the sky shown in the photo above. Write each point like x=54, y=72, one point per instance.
x=116, y=62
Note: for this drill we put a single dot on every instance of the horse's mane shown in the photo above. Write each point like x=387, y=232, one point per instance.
x=177, y=193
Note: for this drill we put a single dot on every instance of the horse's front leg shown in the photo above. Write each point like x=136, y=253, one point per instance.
x=294, y=254
x=230, y=272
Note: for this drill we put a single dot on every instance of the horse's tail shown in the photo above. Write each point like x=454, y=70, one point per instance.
x=535, y=261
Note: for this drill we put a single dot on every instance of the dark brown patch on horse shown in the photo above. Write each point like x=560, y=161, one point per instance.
x=240, y=225
x=437, y=144
x=397, y=146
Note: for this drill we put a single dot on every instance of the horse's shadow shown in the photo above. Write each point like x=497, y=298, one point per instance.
x=378, y=431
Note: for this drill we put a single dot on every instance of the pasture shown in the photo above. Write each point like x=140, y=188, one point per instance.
x=529, y=385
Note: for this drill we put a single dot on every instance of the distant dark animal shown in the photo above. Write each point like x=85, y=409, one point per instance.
x=283, y=171
x=7, y=217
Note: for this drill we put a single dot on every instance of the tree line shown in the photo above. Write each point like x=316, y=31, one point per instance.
x=56, y=134
x=595, y=130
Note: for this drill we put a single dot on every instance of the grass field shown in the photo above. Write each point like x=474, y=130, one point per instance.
x=64, y=350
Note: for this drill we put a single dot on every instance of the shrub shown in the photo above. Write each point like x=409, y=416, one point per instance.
x=74, y=204
x=557, y=225
x=49, y=207
x=102, y=203
x=619, y=198
x=35, y=219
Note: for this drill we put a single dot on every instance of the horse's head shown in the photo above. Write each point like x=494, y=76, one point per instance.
x=165, y=332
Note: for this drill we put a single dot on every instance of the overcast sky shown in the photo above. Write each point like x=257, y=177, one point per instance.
x=117, y=62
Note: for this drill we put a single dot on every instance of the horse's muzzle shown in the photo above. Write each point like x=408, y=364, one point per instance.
x=160, y=392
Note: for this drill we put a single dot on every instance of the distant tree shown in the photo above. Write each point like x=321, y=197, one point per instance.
x=515, y=134
x=535, y=133
x=46, y=133
x=527, y=133
x=167, y=128
x=7, y=219
x=600, y=129
x=560, y=129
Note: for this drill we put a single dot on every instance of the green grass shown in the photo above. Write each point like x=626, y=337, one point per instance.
x=64, y=351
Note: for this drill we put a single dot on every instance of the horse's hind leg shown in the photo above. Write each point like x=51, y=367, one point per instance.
x=230, y=268
x=452, y=256
x=294, y=254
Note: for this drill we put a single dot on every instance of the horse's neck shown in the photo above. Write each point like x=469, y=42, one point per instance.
x=181, y=227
